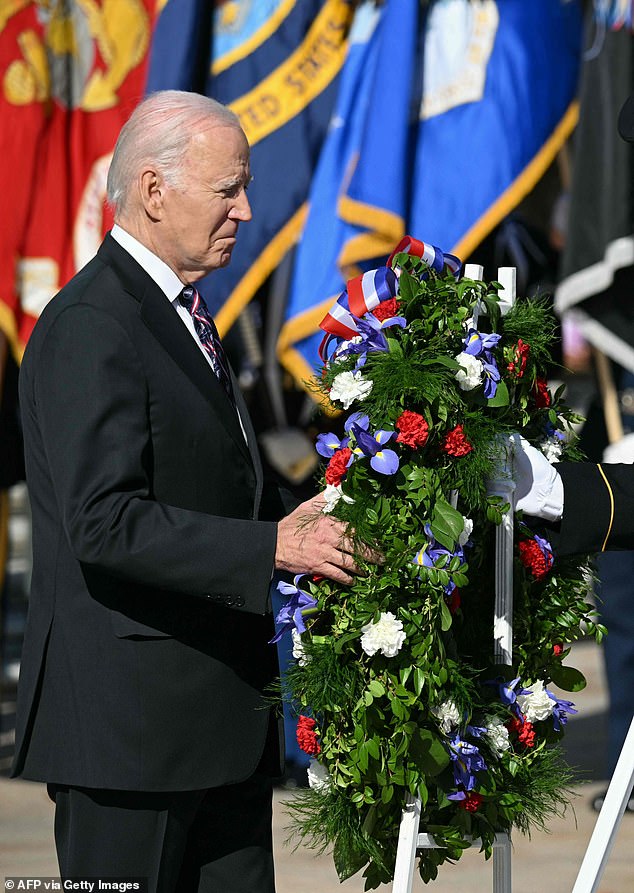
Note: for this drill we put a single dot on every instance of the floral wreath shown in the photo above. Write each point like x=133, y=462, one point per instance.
x=395, y=681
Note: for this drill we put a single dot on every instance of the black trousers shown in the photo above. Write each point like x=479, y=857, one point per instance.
x=214, y=841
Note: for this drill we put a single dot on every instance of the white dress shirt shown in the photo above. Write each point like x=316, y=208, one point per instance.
x=167, y=281
x=164, y=276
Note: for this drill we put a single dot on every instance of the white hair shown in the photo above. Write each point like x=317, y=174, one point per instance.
x=159, y=131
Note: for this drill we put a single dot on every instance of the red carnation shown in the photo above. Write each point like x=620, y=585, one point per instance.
x=536, y=559
x=471, y=802
x=338, y=466
x=540, y=393
x=306, y=737
x=524, y=731
x=386, y=309
x=413, y=429
x=517, y=366
x=454, y=601
x=455, y=443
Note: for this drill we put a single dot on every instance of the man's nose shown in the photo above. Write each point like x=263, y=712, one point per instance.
x=242, y=208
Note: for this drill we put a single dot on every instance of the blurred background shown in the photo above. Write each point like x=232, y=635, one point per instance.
x=485, y=128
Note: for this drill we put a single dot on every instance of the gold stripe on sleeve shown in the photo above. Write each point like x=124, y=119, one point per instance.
x=611, y=494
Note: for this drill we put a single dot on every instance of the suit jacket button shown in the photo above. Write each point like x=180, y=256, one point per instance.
x=239, y=603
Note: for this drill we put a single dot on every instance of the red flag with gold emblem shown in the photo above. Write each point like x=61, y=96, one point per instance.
x=70, y=74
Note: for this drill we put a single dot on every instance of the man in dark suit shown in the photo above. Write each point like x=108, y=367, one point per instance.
x=142, y=699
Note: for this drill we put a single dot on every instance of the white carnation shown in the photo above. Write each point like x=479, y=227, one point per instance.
x=350, y=386
x=318, y=776
x=386, y=636
x=537, y=705
x=332, y=494
x=471, y=375
x=498, y=734
x=299, y=652
x=552, y=449
x=467, y=530
x=447, y=715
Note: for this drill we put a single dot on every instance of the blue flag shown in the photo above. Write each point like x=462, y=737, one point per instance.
x=492, y=93
x=499, y=84
x=358, y=196
x=275, y=63
x=179, y=55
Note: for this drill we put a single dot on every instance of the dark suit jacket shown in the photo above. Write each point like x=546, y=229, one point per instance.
x=145, y=655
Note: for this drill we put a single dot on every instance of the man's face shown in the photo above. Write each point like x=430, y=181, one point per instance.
x=200, y=219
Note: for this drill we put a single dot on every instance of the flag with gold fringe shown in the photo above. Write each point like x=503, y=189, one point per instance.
x=275, y=63
x=70, y=75
x=492, y=105
x=358, y=197
x=498, y=103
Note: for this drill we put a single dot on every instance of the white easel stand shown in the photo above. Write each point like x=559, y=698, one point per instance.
x=607, y=825
x=409, y=838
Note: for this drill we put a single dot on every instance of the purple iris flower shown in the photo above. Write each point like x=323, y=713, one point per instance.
x=479, y=345
x=290, y=615
x=476, y=731
x=508, y=692
x=328, y=444
x=383, y=461
x=466, y=760
x=430, y=554
x=357, y=418
x=457, y=795
x=476, y=343
x=373, y=328
x=372, y=338
x=551, y=431
x=491, y=377
x=546, y=549
x=561, y=710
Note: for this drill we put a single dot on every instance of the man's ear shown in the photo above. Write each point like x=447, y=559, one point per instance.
x=152, y=189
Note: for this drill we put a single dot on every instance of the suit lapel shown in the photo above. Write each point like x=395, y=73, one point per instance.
x=159, y=316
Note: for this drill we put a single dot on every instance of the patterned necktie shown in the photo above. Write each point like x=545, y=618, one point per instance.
x=208, y=334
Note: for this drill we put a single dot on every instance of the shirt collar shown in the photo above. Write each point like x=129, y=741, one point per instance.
x=158, y=270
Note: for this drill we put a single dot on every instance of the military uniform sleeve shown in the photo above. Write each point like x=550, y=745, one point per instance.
x=598, y=511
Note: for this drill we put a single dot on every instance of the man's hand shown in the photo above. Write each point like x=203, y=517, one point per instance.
x=539, y=490
x=308, y=541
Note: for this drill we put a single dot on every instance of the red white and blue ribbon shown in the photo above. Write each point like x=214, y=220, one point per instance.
x=363, y=294
x=368, y=290
x=433, y=257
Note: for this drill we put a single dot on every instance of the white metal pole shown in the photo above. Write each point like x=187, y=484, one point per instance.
x=474, y=271
x=607, y=825
x=503, y=620
x=406, y=848
x=507, y=277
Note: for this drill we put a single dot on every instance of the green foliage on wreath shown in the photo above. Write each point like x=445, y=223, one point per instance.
x=379, y=733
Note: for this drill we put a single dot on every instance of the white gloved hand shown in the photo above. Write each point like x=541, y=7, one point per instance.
x=539, y=490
